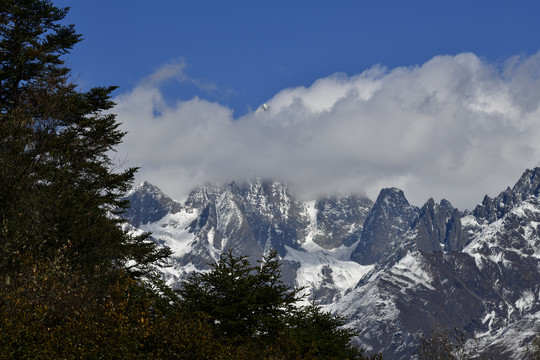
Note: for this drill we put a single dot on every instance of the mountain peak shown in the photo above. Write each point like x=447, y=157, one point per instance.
x=389, y=218
x=391, y=191
x=148, y=204
x=494, y=209
x=200, y=197
x=438, y=227
x=262, y=108
x=149, y=187
x=528, y=184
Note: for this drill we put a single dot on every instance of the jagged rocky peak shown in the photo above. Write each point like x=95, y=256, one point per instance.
x=494, y=209
x=220, y=211
x=390, y=217
x=148, y=204
x=200, y=197
x=518, y=231
x=447, y=205
x=343, y=207
x=276, y=218
x=271, y=198
x=528, y=184
x=438, y=227
x=249, y=216
x=149, y=188
x=263, y=108
x=392, y=201
x=340, y=219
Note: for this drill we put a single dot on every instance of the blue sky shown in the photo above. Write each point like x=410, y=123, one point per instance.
x=249, y=50
x=205, y=66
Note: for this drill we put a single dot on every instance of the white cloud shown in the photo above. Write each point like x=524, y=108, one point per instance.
x=455, y=127
x=175, y=70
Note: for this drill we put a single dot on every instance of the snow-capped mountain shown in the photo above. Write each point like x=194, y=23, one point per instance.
x=395, y=271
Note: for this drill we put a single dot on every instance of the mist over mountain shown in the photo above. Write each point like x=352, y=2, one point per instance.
x=394, y=270
x=452, y=126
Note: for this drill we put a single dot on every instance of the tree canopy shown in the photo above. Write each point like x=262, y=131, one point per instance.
x=64, y=255
x=59, y=187
x=250, y=304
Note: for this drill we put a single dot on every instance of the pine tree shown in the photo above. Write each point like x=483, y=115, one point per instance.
x=241, y=299
x=323, y=335
x=59, y=188
x=250, y=306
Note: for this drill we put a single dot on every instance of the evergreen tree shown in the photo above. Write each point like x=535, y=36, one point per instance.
x=69, y=273
x=59, y=188
x=241, y=299
x=323, y=335
x=249, y=305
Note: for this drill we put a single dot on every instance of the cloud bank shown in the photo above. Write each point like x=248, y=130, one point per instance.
x=456, y=127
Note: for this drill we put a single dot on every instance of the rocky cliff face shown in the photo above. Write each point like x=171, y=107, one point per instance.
x=390, y=217
x=340, y=220
x=438, y=228
x=149, y=204
x=394, y=270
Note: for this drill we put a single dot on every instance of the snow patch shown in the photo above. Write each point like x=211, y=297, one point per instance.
x=410, y=267
x=525, y=209
x=526, y=301
x=488, y=318
x=344, y=274
x=172, y=229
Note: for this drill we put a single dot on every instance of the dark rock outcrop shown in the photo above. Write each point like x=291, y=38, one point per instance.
x=389, y=218
x=438, y=228
x=149, y=204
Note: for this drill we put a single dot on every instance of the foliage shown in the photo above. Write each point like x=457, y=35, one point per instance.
x=447, y=345
x=249, y=304
x=241, y=299
x=323, y=334
x=50, y=312
x=59, y=188
x=47, y=312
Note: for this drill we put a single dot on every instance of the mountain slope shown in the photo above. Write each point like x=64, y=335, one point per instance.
x=394, y=270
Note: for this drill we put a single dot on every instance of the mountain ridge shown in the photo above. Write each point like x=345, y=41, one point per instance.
x=387, y=266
